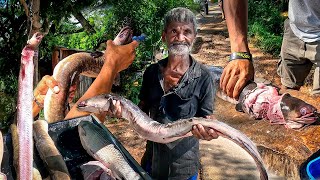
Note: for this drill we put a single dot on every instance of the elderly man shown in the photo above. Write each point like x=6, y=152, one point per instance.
x=174, y=88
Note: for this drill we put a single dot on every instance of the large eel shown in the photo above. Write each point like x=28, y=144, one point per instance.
x=165, y=133
x=15, y=146
x=48, y=152
x=69, y=69
x=24, y=107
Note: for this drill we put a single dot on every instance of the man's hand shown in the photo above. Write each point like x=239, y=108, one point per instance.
x=235, y=76
x=41, y=90
x=117, y=58
x=120, y=57
x=203, y=133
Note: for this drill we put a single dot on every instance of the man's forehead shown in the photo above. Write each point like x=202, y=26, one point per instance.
x=185, y=25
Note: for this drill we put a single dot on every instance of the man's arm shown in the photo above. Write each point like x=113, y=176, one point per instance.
x=238, y=72
x=117, y=58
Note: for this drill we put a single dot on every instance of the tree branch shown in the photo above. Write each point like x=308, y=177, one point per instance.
x=25, y=7
x=46, y=26
x=83, y=21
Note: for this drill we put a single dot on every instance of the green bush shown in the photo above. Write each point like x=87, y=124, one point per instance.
x=265, y=40
x=266, y=24
x=7, y=109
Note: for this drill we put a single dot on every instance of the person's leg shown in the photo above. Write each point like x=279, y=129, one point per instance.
x=293, y=66
x=313, y=54
x=316, y=81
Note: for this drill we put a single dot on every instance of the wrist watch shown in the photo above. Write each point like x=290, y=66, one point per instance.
x=240, y=55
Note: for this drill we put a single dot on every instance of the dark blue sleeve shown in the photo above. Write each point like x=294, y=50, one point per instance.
x=207, y=95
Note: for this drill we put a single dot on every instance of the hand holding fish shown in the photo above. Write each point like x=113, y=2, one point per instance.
x=35, y=40
x=39, y=93
x=117, y=58
x=235, y=76
x=120, y=57
x=41, y=90
x=204, y=133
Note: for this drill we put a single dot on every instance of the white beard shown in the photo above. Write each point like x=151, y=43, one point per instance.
x=179, y=50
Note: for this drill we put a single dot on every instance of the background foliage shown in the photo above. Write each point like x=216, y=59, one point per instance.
x=265, y=24
x=102, y=21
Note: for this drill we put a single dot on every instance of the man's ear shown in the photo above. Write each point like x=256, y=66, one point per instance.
x=163, y=36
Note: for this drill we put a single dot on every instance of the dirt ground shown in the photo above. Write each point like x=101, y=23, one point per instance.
x=212, y=47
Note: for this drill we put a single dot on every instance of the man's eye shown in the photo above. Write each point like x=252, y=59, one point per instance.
x=174, y=31
x=187, y=32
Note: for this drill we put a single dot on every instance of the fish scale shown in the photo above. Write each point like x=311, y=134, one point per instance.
x=94, y=142
x=24, y=114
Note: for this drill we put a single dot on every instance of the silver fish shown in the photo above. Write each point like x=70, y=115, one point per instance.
x=94, y=142
x=165, y=133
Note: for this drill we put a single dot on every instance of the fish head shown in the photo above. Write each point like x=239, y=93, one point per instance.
x=124, y=36
x=97, y=104
x=297, y=112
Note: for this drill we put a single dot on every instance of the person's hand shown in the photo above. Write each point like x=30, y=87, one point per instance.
x=35, y=40
x=235, y=76
x=40, y=91
x=72, y=92
x=120, y=57
x=203, y=133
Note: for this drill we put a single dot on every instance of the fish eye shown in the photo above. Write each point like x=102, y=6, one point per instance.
x=303, y=111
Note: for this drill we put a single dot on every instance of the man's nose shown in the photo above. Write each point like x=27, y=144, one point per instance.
x=180, y=37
